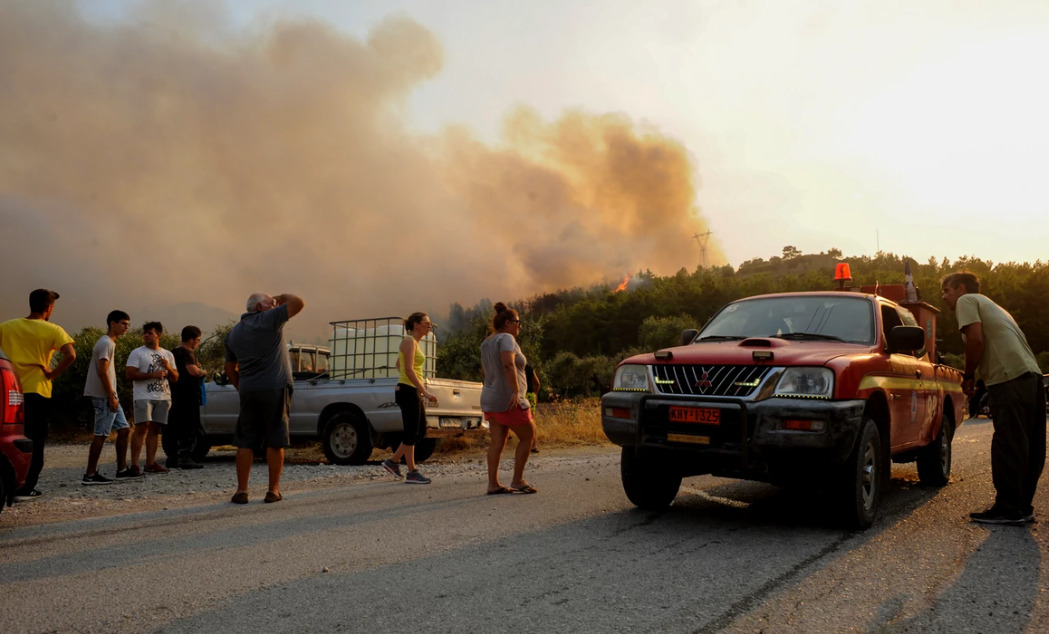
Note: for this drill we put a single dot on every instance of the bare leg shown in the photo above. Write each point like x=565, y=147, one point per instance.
x=525, y=435
x=122, y=437
x=151, y=443
x=496, y=444
x=409, y=457
x=93, y=453
x=137, y=440
x=275, y=462
x=245, y=457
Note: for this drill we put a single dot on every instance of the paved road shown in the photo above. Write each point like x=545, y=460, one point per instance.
x=378, y=556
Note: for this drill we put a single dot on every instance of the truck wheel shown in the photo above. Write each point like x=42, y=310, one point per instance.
x=347, y=439
x=863, y=475
x=424, y=449
x=934, y=462
x=648, y=480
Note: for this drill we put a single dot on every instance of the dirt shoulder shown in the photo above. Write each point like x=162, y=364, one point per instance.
x=66, y=499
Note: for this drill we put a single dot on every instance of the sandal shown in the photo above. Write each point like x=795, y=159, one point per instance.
x=240, y=498
x=273, y=497
x=500, y=491
x=528, y=488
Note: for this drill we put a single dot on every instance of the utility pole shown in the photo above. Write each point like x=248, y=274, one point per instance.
x=701, y=239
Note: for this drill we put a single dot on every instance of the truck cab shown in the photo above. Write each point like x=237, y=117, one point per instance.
x=814, y=389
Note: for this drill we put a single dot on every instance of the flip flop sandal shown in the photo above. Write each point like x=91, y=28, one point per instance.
x=528, y=488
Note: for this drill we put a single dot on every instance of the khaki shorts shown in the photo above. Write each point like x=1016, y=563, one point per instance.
x=152, y=411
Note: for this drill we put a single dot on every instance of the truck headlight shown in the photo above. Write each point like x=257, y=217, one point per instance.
x=631, y=378
x=805, y=383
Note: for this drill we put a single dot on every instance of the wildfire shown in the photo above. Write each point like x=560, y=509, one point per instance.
x=622, y=287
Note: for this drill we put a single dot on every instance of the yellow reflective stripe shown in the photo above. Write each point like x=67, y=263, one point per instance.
x=905, y=383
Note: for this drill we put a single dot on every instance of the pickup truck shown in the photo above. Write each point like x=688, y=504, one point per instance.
x=818, y=389
x=344, y=396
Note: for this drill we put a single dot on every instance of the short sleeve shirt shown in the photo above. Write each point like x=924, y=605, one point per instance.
x=30, y=344
x=187, y=389
x=256, y=344
x=145, y=360
x=105, y=348
x=495, y=395
x=1006, y=354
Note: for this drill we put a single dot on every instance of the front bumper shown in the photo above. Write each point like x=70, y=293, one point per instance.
x=750, y=436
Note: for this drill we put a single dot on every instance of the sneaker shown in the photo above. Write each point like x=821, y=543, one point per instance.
x=391, y=467
x=97, y=478
x=129, y=473
x=189, y=463
x=995, y=516
x=1029, y=515
x=28, y=497
x=155, y=468
x=416, y=477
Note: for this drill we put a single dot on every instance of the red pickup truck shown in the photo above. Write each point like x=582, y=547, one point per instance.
x=818, y=389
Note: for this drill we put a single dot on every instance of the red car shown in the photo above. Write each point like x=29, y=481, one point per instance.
x=15, y=449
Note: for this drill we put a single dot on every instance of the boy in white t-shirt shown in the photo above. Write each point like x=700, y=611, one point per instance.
x=149, y=367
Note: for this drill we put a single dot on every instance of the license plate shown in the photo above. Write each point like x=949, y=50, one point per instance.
x=705, y=415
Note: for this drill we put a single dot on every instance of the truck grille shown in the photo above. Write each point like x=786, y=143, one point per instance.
x=709, y=380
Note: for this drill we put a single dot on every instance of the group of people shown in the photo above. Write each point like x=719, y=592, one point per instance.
x=167, y=390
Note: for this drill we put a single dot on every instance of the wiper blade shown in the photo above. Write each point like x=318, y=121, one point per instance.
x=810, y=336
x=722, y=338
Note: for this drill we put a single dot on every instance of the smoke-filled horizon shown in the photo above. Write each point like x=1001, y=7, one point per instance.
x=173, y=162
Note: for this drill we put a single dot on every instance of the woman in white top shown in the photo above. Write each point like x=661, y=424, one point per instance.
x=503, y=399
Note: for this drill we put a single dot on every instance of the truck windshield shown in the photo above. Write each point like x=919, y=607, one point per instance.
x=830, y=317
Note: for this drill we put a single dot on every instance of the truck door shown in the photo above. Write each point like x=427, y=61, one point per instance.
x=907, y=395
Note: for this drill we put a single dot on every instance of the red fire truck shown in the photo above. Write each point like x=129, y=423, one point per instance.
x=815, y=388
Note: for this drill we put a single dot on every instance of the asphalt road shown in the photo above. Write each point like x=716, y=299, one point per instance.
x=379, y=556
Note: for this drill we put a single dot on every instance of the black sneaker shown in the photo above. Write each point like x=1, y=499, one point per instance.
x=28, y=497
x=189, y=463
x=130, y=473
x=994, y=515
x=97, y=478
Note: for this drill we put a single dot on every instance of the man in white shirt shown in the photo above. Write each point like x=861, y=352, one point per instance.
x=150, y=367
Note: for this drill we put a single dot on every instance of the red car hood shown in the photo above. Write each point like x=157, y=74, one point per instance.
x=811, y=353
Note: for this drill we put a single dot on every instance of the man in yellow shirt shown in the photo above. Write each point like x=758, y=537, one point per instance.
x=30, y=343
x=996, y=351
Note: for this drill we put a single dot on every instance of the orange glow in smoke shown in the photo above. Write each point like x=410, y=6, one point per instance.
x=622, y=287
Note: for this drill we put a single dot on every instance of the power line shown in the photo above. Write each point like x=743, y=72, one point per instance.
x=701, y=240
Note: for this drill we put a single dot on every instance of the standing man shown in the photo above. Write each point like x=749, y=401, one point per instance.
x=257, y=364
x=997, y=352
x=185, y=401
x=30, y=342
x=101, y=387
x=150, y=367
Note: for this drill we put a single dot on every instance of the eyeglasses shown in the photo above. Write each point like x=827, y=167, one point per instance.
x=514, y=321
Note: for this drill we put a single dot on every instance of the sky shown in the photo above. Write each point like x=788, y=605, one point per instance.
x=378, y=158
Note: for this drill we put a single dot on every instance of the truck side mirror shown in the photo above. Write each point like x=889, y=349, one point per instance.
x=906, y=338
x=688, y=335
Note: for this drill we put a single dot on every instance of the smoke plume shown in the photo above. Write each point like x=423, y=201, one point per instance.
x=167, y=161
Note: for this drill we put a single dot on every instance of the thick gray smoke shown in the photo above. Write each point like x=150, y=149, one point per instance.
x=166, y=163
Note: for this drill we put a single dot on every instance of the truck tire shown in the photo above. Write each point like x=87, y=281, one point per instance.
x=863, y=475
x=347, y=439
x=934, y=461
x=424, y=449
x=648, y=480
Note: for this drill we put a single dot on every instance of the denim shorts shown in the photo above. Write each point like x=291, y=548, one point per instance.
x=105, y=419
x=151, y=411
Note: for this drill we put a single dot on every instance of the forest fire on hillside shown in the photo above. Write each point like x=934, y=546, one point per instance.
x=623, y=285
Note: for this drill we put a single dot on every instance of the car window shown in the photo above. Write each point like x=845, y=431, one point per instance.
x=844, y=317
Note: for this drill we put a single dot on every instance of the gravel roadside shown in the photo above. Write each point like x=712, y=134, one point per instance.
x=66, y=499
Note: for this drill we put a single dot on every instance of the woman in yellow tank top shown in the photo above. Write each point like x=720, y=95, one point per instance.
x=409, y=394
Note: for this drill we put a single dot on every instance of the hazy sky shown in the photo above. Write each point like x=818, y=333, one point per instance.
x=381, y=157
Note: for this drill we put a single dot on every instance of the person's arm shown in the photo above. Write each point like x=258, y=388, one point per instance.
x=233, y=373
x=973, y=354
x=68, y=357
x=169, y=365
x=294, y=302
x=510, y=372
x=195, y=370
x=103, y=373
x=408, y=352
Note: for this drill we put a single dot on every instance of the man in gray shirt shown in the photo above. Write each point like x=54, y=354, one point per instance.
x=101, y=387
x=257, y=364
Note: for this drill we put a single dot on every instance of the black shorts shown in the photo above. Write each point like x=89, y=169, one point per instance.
x=263, y=420
x=413, y=414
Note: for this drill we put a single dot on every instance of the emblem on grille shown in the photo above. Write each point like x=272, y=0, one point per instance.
x=704, y=380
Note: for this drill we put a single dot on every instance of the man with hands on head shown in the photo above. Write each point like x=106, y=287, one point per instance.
x=258, y=365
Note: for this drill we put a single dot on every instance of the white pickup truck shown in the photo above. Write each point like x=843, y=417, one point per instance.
x=344, y=395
